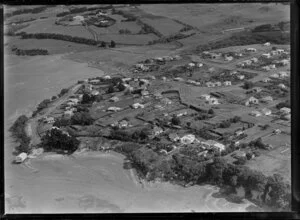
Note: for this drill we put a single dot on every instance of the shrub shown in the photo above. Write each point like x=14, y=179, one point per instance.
x=175, y=120
x=81, y=118
x=248, y=85
x=112, y=44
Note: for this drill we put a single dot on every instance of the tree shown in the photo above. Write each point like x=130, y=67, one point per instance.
x=241, y=161
x=63, y=91
x=217, y=168
x=274, y=48
x=82, y=118
x=87, y=98
x=175, y=120
x=111, y=89
x=121, y=87
x=225, y=124
x=55, y=139
x=103, y=44
x=248, y=85
x=188, y=124
x=53, y=97
x=112, y=44
x=211, y=111
x=62, y=122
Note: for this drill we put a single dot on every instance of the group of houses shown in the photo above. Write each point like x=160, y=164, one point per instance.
x=264, y=111
x=216, y=84
x=210, y=100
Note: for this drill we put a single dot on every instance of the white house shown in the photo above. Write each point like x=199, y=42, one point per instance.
x=213, y=144
x=267, y=99
x=179, y=79
x=284, y=62
x=282, y=74
x=156, y=131
x=174, y=137
x=280, y=51
x=274, y=75
x=285, y=110
x=212, y=101
x=274, y=52
x=228, y=58
x=49, y=120
x=205, y=96
x=272, y=66
x=251, y=100
x=254, y=60
x=114, y=109
x=210, y=84
x=251, y=50
x=255, y=113
x=137, y=105
x=240, y=77
x=266, y=55
x=114, y=99
x=95, y=92
x=266, y=68
x=94, y=81
x=78, y=18
x=267, y=44
x=199, y=64
x=191, y=65
x=227, y=83
x=21, y=157
x=166, y=101
x=74, y=100
x=218, y=83
x=145, y=93
x=282, y=86
x=265, y=80
x=107, y=77
x=123, y=124
x=68, y=113
x=187, y=139
x=266, y=111
x=234, y=72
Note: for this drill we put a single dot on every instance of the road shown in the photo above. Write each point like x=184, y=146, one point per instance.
x=33, y=122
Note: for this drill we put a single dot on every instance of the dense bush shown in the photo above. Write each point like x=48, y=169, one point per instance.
x=79, y=40
x=87, y=98
x=286, y=104
x=31, y=52
x=82, y=118
x=56, y=140
x=26, y=11
x=175, y=120
x=62, y=122
x=62, y=92
x=248, y=85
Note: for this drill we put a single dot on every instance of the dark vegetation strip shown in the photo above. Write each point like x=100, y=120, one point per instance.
x=82, y=9
x=18, y=132
x=28, y=10
x=30, y=52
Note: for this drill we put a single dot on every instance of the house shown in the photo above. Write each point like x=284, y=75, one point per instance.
x=266, y=80
x=114, y=109
x=257, y=89
x=137, y=105
x=274, y=75
x=107, y=77
x=280, y=51
x=277, y=131
x=240, y=64
x=284, y=62
x=213, y=144
x=239, y=132
x=49, y=120
x=191, y=65
x=114, y=99
x=255, y=113
x=282, y=74
x=199, y=65
x=266, y=68
x=212, y=101
x=228, y=58
x=145, y=93
x=210, y=84
x=174, y=137
x=251, y=100
x=247, y=62
x=78, y=18
x=282, y=86
x=251, y=50
x=285, y=110
x=227, y=83
x=187, y=139
x=176, y=57
x=166, y=101
x=205, y=96
x=123, y=124
x=272, y=66
x=68, y=113
x=95, y=92
x=167, y=58
x=94, y=81
x=254, y=60
x=267, y=44
x=274, y=53
x=214, y=55
x=218, y=83
x=164, y=78
x=240, y=77
x=266, y=55
x=234, y=72
x=156, y=131
x=127, y=79
x=181, y=113
x=267, y=99
x=266, y=111
x=70, y=104
x=179, y=79
x=145, y=81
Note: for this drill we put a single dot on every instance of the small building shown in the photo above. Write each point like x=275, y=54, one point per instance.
x=179, y=79
x=274, y=75
x=257, y=89
x=247, y=62
x=212, y=101
x=282, y=86
x=145, y=93
x=227, y=83
x=127, y=79
x=282, y=74
x=210, y=84
x=176, y=57
x=188, y=139
x=164, y=78
x=205, y=96
x=114, y=109
x=285, y=110
x=234, y=72
x=158, y=95
x=209, y=144
x=287, y=117
x=266, y=111
x=267, y=44
x=218, y=83
x=266, y=80
x=174, y=137
x=284, y=62
x=94, y=81
x=166, y=101
x=228, y=58
x=280, y=51
x=214, y=55
x=78, y=18
x=74, y=100
x=68, y=113
x=255, y=113
x=49, y=120
x=114, y=99
x=267, y=99
x=191, y=65
x=107, y=77
x=181, y=113
x=274, y=53
x=199, y=65
x=251, y=100
x=21, y=157
x=251, y=50
x=266, y=68
x=240, y=77
x=239, y=132
x=266, y=55
x=272, y=66
x=137, y=105
x=277, y=131
x=254, y=60
x=123, y=124
x=95, y=92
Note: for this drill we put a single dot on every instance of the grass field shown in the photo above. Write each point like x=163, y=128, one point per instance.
x=49, y=26
x=114, y=29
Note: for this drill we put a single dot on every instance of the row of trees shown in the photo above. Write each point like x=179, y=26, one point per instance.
x=171, y=38
x=19, y=134
x=31, y=52
x=80, y=10
x=26, y=11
